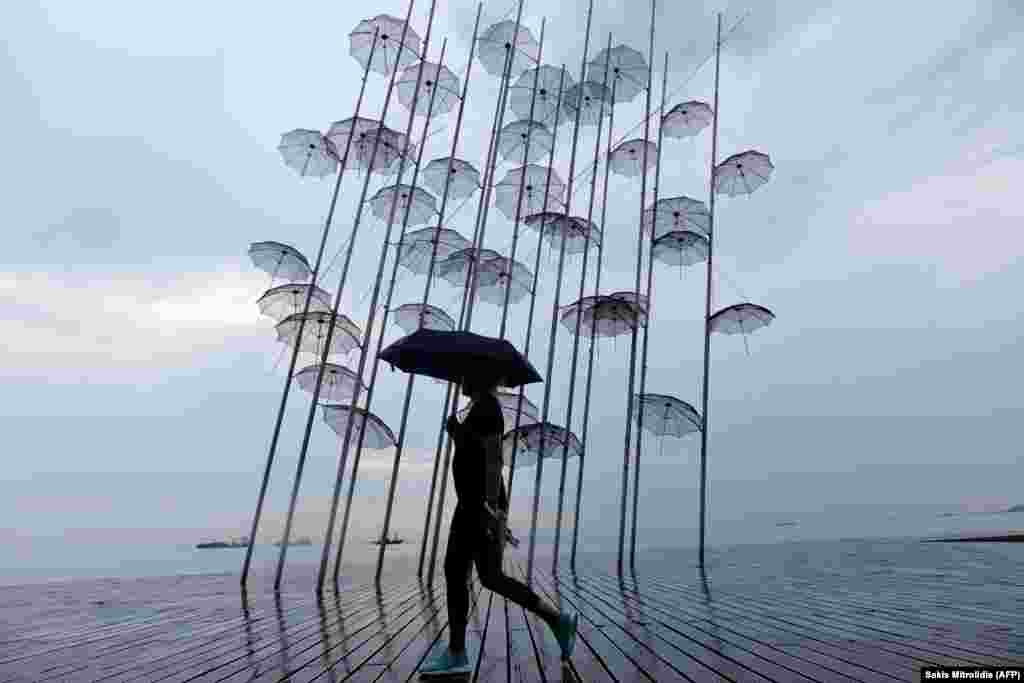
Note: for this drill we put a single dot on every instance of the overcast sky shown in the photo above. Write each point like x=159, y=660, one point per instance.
x=141, y=383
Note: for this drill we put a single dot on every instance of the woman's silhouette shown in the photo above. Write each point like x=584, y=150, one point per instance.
x=478, y=529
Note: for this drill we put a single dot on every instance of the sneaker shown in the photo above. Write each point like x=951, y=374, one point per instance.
x=566, y=633
x=444, y=663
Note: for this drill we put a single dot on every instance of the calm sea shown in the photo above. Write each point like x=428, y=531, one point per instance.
x=758, y=541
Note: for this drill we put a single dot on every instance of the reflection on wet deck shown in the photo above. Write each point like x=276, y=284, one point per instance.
x=652, y=627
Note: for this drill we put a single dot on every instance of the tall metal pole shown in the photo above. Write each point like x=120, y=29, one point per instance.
x=302, y=321
x=473, y=271
x=329, y=534
x=536, y=279
x=593, y=332
x=553, y=334
x=286, y=536
x=639, y=267
x=576, y=334
x=430, y=275
x=647, y=330
x=522, y=183
x=380, y=337
x=372, y=313
x=707, y=304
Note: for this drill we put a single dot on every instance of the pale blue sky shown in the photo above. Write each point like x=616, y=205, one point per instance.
x=140, y=382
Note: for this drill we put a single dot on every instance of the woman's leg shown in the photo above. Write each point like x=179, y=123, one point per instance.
x=457, y=562
x=488, y=558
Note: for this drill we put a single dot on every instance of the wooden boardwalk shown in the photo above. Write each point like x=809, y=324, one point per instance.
x=651, y=628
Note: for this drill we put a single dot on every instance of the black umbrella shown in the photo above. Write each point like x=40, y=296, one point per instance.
x=452, y=356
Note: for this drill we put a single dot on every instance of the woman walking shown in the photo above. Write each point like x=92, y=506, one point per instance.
x=478, y=530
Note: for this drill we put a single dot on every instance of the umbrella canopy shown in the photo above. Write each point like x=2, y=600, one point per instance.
x=314, y=333
x=378, y=435
x=545, y=104
x=391, y=50
x=528, y=439
x=576, y=231
x=686, y=120
x=417, y=248
x=435, y=78
x=421, y=204
x=742, y=173
x=681, y=248
x=338, y=384
x=465, y=179
x=380, y=150
x=308, y=153
x=455, y=268
x=518, y=135
x=284, y=300
x=496, y=42
x=499, y=274
x=677, y=213
x=604, y=315
x=452, y=356
x=626, y=66
x=666, y=415
x=355, y=127
x=280, y=260
x=534, y=181
x=509, y=402
x=411, y=317
x=740, y=319
x=592, y=99
x=628, y=158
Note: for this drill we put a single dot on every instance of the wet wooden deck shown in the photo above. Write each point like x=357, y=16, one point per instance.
x=652, y=628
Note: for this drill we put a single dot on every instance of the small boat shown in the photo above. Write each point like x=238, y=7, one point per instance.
x=302, y=540
x=242, y=542
x=785, y=523
x=394, y=540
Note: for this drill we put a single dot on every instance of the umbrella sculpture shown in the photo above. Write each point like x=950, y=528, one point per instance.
x=454, y=268
x=378, y=435
x=345, y=338
x=391, y=51
x=553, y=225
x=627, y=67
x=509, y=403
x=512, y=142
x=465, y=179
x=386, y=153
x=308, y=153
x=741, y=319
x=591, y=98
x=418, y=204
x=686, y=120
x=538, y=192
x=628, y=158
x=280, y=260
x=677, y=213
x=284, y=300
x=742, y=173
x=339, y=382
x=530, y=438
x=452, y=356
x=545, y=104
x=418, y=246
x=498, y=40
x=666, y=416
x=499, y=274
x=680, y=248
x=435, y=77
x=356, y=127
x=605, y=316
x=411, y=317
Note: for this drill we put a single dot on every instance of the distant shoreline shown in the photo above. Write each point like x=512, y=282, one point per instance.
x=1005, y=538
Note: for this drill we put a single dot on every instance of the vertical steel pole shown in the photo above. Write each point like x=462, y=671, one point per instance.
x=380, y=339
x=576, y=333
x=707, y=305
x=593, y=330
x=647, y=329
x=329, y=534
x=372, y=313
x=639, y=268
x=302, y=321
x=473, y=271
x=552, y=336
x=430, y=275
